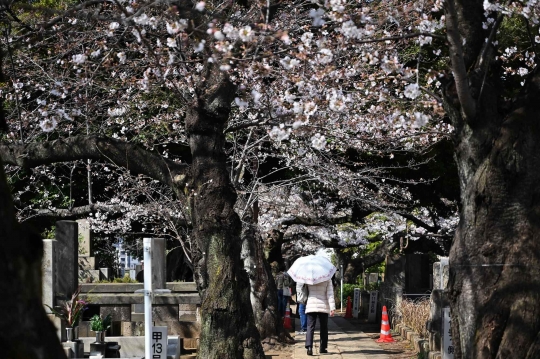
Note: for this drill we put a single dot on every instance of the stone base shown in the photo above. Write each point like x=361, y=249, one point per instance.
x=88, y=275
x=76, y=348
x=132, y=329
x=105, y=273
x=98, y=348
x=87, y=263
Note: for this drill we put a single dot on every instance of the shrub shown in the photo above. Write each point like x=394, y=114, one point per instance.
x=348, y=291
x=125, y=279
x=414, y=314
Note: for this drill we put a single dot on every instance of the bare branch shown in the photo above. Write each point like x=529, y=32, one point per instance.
x=304, y=221
x=401, y=37
x=418, y=222
x=86, y=210
x=132, y=157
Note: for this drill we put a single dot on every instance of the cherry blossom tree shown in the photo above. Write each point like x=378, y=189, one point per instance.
x=330, y=84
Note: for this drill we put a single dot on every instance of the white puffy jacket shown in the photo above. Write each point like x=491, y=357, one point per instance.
x=321, y=298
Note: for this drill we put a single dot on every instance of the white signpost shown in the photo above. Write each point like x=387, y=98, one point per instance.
x=356, y=303
x=447, y=346
x=155, y=338
x=372, y=315
x=341, y=291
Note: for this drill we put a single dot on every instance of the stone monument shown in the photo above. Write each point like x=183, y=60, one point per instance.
x=87, y=262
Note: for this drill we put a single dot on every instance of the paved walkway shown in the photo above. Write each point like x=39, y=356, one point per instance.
x=345, y=341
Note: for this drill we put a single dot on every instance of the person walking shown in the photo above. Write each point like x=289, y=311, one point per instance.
x=320, y=304
x=282, y=282
x=301, y=300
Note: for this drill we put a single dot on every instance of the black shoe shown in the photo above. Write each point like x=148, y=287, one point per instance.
x=323, y=351
x=309, y=351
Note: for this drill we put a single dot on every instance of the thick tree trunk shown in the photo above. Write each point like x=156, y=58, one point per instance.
x=25, y=330
x=227, y=324
x=263, y=287
x=495, y=259
x=494, y=285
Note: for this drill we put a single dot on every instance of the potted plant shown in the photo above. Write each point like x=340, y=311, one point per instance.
x=100, y=325
x=70, y=312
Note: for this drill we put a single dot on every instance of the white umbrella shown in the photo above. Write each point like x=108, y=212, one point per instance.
x=311, y=270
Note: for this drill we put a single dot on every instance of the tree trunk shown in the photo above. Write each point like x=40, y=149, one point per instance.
x=227, y=324
x=25, y=330
x=495, y=261
x=494, y=286
x=272, y=247
x=263, y=287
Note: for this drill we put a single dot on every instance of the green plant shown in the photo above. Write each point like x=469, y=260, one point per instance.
x=99, y=324
x=49, y=233
x=125, y=279
x=348, y=291
x=71, y=310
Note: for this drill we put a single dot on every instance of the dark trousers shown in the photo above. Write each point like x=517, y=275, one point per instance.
x=281, y=304
x=323, y=322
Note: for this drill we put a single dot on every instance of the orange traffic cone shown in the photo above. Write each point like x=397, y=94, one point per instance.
x=348, y=312
x=287, y=320
x=386, y=337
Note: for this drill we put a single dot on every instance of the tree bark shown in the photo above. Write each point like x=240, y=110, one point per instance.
x=494, y=261
x=227, y=324
x=25, y=330
x=263, y=287
x=494, y=285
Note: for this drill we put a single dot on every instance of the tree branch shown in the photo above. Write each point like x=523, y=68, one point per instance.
x=418, y=222
x=132, y=157
x=320, y=221
x=86, y=210
x=401, y=37
x=468, y=106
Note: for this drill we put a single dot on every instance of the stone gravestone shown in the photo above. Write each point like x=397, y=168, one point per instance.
x=48, y=280
x=159, y=267
x=48, y=274
x=178, y=267
x=447, y=345
x=394, y=280
x=438, y=331
x=417, y=272
x=440, y=274
x=85, y=238
x=372, y=315
x=87, y=263
x=364, y=304
x=67, y=279
x=356, y=303
x=105, y=273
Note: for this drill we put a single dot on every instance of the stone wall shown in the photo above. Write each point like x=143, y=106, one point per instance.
x=63, y=262
x=178, y=310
